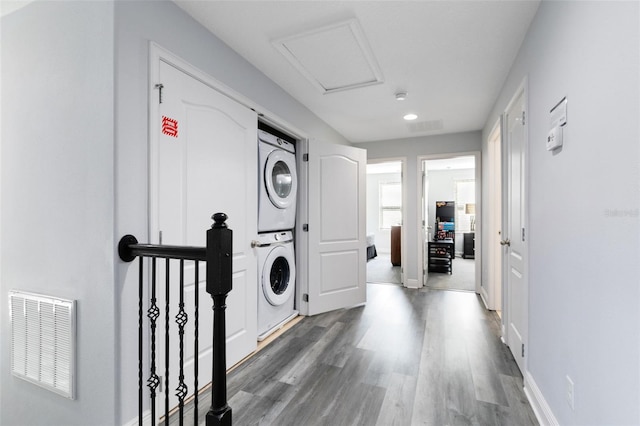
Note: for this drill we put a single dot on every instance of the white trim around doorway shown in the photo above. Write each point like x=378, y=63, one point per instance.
x=478, y=229
x=403, y=238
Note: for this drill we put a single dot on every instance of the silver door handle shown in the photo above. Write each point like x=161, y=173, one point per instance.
x=255, y=244
x=506, y=242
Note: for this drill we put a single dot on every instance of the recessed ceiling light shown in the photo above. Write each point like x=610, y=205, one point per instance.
x=401, y=96
x=410, y=117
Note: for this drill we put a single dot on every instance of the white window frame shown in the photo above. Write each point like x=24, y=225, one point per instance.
x=391, y=207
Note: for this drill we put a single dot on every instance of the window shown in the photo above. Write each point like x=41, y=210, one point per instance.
x=390, y=204
x=465, y=205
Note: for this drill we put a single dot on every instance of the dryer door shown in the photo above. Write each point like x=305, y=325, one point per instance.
x=280, y=179
x=278, y=275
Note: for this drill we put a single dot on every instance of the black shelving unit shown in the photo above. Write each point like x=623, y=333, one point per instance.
x=441, y=256
x=445, y=223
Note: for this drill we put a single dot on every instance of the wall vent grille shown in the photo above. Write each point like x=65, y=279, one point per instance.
x=43, y=341
x=426, y=126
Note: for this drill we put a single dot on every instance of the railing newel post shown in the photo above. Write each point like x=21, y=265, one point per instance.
x=219, y=284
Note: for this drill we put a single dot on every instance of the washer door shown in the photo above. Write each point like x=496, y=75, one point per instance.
x=280, y=179
x=278, y=275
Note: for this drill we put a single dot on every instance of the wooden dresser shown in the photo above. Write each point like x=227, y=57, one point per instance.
x=396, y=233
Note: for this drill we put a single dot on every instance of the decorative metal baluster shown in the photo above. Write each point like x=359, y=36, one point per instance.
x=166, y=344
x=181, y=320
x=153, y=313
x=196, y=314
x=140, y=339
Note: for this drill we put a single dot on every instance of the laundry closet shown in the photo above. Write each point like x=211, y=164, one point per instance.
x=277, y=195
x=296, y=205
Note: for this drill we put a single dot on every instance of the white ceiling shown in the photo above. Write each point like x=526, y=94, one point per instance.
x=452, y=57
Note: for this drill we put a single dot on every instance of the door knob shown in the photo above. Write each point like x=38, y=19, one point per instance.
x=506, y=242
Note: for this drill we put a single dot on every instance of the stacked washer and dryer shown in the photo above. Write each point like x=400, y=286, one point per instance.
x=276, y=220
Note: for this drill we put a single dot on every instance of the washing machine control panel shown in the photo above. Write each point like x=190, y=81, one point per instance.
x=267, y=238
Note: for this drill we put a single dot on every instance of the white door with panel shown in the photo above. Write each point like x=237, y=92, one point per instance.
x=515, y=248
x=203, y=160
x=337, y=227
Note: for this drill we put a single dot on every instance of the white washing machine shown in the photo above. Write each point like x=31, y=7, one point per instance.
x=278, y=183
x=276, y=281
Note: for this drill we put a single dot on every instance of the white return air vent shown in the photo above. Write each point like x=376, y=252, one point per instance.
x=43, y=341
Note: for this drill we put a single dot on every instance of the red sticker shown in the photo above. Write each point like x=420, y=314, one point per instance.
x=169, y=126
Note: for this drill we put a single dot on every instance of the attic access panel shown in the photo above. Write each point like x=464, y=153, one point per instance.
x=333, y=58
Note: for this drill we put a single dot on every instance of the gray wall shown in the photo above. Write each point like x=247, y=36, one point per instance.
x=583, y=208
x=57, y=197
x=411, y=149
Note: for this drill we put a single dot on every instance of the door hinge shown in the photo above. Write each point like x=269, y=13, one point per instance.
x=523, y=350
x=305, y=227
x=160, y=237
x=305, y=297
x=159, y=86
x=522, y=234
x=523, y=117
x=305, y=157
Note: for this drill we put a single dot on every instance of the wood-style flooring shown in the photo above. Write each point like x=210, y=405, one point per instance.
x=408, y=357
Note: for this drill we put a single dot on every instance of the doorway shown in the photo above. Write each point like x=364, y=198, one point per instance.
x=451, y=204
x=385, y=216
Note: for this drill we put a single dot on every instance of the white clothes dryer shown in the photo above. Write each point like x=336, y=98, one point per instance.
x=278, y=183
x=276, y=281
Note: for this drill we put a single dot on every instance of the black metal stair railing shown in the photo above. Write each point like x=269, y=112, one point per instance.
x=218, y=256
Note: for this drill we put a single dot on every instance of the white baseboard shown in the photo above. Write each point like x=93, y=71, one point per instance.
x=539, y=405
x=484, y=297
x=411, y=283
x=146, y=419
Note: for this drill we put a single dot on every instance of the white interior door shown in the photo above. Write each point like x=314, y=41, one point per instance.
x=203, y=160
x=515, y=252
x=337, y=227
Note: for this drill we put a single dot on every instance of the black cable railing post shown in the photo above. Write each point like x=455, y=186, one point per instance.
x=219, y=275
